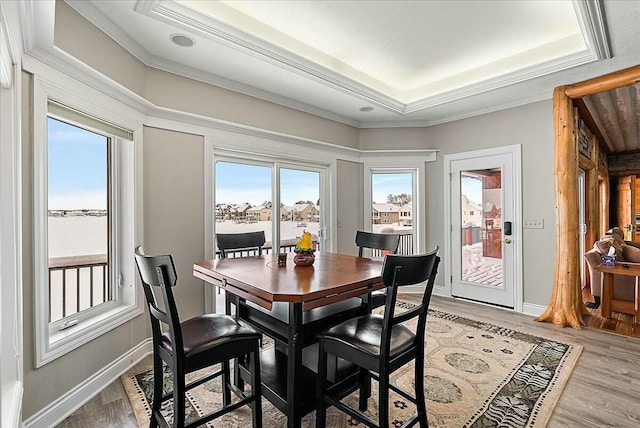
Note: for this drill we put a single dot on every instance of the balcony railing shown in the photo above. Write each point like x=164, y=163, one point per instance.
x=286, y=246
x=77, y=283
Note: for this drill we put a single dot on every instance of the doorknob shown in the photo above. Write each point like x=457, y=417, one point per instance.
x=507, y=241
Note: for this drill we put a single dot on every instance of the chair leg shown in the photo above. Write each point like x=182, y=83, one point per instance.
x=383, y=400
x=178, y=398
x=256, y=388
x=226, y=381
x=419, y=387
x=158, y=382
x=321, y=410
x=365, y=389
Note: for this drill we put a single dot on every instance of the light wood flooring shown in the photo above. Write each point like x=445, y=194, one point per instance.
x=618, y=323
x=603, y=390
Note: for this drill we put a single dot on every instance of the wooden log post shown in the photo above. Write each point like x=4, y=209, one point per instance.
x=566, y=306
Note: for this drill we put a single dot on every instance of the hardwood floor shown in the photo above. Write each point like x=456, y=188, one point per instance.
x=603, y=390
x=618, y=323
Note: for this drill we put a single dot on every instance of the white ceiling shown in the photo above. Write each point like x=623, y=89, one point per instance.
x=413, y=62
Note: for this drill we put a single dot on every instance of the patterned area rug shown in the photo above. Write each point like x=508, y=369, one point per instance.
x=476, y=375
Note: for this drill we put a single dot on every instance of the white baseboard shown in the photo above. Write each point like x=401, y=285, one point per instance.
x=532, y=309
x=11, y=404
x=64, y=406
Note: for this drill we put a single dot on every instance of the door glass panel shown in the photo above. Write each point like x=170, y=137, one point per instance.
x=299, y=206
x=481, y=223
x=243, y=199
x=392, y=207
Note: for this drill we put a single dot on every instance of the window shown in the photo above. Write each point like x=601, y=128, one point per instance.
x=79, y=215
x=85, y=227
x=394, y=182
x=392, y=196
x=247, y=199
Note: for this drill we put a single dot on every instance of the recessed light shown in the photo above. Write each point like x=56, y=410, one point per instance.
x=182, y=40
x=366, y=109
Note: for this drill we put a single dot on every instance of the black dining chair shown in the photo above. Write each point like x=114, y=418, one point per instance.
x=192, y=345
x=382, y=242
x=377, y=241
x=379, y=345
x=232, y=243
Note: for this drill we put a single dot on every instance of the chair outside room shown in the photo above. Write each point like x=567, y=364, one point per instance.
x=381, y=344
x=192, y=345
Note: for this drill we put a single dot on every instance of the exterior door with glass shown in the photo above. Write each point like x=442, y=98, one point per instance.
x=483, y=229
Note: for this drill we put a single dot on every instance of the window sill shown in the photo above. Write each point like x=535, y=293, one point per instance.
x=61, y=342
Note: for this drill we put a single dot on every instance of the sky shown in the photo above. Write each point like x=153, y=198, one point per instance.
x=239, y=183
x=77, y=167
x=392, y=183
x=472, y=188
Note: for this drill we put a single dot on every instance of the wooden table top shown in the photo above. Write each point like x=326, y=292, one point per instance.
x=621, y=268
x=333, y=277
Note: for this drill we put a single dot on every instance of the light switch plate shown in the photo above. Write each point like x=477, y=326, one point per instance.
x=534, y=224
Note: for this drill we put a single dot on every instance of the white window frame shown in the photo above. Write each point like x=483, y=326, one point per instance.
x=401, y=161
x=51, y=343
x=276, y=165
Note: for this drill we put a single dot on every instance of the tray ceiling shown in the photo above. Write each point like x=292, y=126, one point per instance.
x=368, y=64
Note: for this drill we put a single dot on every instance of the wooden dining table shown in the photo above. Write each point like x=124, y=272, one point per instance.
x=292, y=304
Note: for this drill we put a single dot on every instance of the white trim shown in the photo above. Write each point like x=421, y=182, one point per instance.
x=51, y=345
x=11, y=280
x=68, y=403
x=210, y=294
x=11, y=412
x=533, y=309
x=516, y=153
x=591, y=19
x=93, y=15
x=588, y=13
x=380, y=161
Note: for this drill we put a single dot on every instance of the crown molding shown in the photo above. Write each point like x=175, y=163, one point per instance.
x=93, y=15
x=522, y=75
x=591, y=19
x=477, y=112
x=178, y=14
x=589, y=15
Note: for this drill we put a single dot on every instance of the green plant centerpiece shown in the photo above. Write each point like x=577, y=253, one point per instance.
x=304, y=250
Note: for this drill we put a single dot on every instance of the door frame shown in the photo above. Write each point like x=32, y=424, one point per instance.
x=516, y=155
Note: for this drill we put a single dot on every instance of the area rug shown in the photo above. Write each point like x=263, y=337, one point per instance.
x=476, y=375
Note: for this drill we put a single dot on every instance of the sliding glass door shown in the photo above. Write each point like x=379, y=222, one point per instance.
x=283, y=200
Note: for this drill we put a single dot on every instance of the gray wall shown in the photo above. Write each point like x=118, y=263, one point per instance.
x=174, y=208
x=173, y=186
x=46, y=384
x=532, y=127
x=350, y=202
x=81, y=39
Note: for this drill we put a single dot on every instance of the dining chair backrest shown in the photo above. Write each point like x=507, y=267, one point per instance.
x=378, y=241
x=402, y=270
x=159, y=271
x=188, y=347
x=249, y=241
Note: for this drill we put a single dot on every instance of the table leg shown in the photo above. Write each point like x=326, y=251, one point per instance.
x=607, y=294
x=637, y=303
x=235, y=300
x=294, y=365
